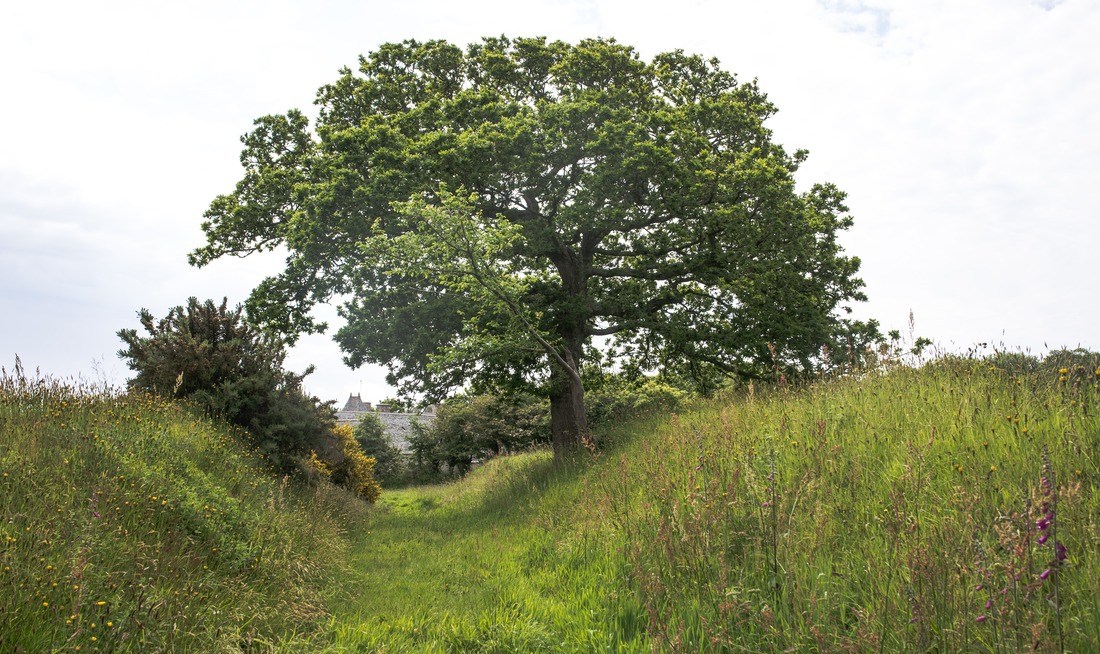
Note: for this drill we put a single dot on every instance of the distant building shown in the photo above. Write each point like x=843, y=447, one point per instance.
x=397, y=426
x=353, y=410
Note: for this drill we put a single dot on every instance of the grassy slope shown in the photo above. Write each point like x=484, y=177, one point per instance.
x=126, y=524
x=882, y=512
x=869, y=514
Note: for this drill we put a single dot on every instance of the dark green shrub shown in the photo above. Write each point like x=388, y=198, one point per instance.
x=214, y=358
x=1076, y=364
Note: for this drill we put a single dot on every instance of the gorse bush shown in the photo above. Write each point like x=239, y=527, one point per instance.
x=127, y=524
x=355, y=471
x=211, y=356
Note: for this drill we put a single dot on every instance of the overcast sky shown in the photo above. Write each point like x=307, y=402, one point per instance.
x=966, y=133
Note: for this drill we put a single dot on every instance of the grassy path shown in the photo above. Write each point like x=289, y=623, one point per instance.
x=487, y=564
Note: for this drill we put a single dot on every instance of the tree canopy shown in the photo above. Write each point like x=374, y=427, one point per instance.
x=484, y=214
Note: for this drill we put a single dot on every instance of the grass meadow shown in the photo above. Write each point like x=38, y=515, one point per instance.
x=948, y=508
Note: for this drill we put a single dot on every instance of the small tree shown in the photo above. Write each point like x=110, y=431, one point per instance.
x=210, y=355
x=390, y=462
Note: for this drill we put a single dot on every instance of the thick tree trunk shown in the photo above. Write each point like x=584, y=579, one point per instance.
x=568, y=425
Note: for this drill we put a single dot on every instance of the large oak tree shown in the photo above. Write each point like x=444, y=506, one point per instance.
x=483, y=214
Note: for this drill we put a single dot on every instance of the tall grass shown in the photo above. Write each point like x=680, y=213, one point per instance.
x=920, y=510
x=128, y=524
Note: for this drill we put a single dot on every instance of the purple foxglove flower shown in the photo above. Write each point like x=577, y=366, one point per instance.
x=1042, y=539
x=988, y=604
x=1044, y=574
x=1060, y=551
x=1042, y=524
x=981, y=618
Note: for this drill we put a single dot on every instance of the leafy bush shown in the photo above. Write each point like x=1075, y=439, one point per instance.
x=474, y=428
x=616, y=398
x=210, y=355
x=1057, y=367
x=1014, y=363
x=1078, y=364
